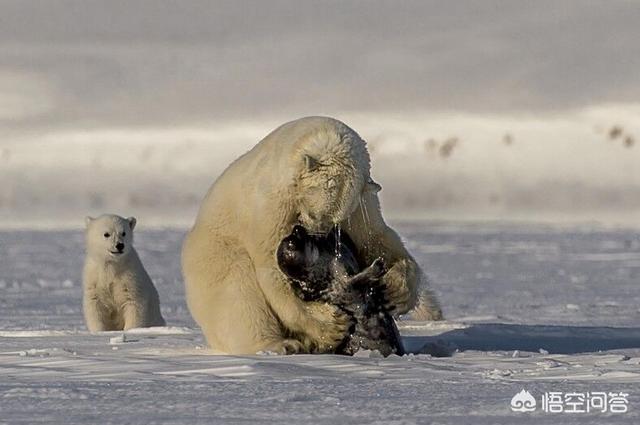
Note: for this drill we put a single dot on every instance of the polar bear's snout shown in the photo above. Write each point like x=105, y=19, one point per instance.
x=119, y=248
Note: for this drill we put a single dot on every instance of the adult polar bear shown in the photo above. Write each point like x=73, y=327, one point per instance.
x=314, y=171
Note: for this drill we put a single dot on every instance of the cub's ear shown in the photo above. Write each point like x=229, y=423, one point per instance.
x=88, y=220
x=311, y=163
x=373, y=186
x=132, y=222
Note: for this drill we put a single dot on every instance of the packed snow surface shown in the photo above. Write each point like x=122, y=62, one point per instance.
x=539, y=308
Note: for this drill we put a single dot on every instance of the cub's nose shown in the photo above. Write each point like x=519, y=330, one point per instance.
x=120, y=246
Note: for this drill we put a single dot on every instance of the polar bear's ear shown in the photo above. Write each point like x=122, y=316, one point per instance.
x=88, y=220
x=310, y=163
x=373, y=186
x=132, y=222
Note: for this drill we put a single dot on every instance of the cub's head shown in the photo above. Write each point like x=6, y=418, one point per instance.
x=109, y=237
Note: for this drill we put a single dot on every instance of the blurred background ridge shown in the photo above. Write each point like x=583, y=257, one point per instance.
x=487, y=110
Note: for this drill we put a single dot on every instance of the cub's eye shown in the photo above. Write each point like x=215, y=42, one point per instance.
x=124, y=234
x=106, y=235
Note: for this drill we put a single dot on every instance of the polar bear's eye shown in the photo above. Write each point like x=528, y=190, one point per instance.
x=124, y=234
x=106, y=235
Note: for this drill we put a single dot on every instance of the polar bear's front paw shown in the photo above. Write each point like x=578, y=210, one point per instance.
x=286, y=346
x=329, y=329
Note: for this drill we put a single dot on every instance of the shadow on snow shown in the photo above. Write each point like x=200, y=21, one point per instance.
x=531, y=338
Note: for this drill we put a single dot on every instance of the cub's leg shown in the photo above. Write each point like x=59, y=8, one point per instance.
x=96, y=315
x=133, y=316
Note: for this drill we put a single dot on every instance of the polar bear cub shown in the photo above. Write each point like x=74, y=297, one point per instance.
x=118, y=292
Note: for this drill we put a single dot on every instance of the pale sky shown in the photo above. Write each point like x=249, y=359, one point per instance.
x=101, y=63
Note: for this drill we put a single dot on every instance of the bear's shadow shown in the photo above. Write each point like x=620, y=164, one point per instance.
x=526, y=338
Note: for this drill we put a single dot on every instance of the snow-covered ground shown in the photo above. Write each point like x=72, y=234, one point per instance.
x=540, y=308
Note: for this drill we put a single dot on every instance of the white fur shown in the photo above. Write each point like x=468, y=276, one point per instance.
x=314, y=171
x=118, y=293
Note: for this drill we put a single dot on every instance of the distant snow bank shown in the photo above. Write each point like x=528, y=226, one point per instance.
x=581, y=165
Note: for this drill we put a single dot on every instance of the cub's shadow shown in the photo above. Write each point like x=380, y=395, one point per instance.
x=531, y=338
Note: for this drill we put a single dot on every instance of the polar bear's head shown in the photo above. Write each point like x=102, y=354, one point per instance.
x=109, y=237
x=333, y=172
